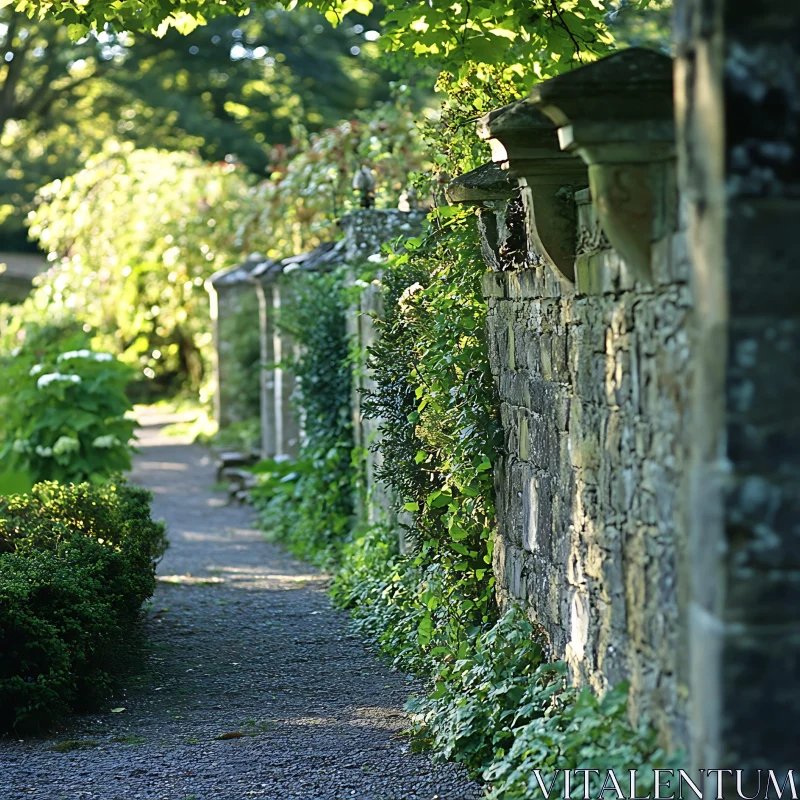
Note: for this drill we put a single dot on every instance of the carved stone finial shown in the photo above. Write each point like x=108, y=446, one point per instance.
x=364, y=184
x=525, y=142
x=617, y=115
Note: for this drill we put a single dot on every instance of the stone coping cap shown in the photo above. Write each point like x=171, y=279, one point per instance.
x=487, y=182
x=632, y=84
x=229, y=276
x=258, y=268
x=264, y=269
x=321, y=259
x=519, y=122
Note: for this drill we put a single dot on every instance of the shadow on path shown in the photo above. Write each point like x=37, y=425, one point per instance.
x=242, y=641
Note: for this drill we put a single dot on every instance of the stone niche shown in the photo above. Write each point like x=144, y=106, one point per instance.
x=589, y=329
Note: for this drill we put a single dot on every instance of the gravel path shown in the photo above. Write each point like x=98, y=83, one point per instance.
x=242, y=642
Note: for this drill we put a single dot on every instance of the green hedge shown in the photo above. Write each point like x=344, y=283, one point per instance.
x=76, y=564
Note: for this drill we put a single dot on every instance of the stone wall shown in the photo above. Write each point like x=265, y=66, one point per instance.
x=642, y=330
x=592, y=358
x=254, y=352
x=592, y=381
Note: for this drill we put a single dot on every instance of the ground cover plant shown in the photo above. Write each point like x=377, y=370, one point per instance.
x=76, y=563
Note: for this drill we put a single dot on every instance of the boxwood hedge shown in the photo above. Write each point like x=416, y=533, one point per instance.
x=76, y=563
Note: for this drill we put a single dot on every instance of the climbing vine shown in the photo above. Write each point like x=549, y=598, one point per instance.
x=434, y=390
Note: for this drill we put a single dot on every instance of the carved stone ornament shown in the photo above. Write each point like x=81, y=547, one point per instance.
x=525, y=142
x=617, y=115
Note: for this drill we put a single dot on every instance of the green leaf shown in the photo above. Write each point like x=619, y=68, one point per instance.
x=425, y=631
x=441, y=499
x=77, y=31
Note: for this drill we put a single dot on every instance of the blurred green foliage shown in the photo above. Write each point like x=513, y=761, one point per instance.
x=232, y=89
x=133, y=236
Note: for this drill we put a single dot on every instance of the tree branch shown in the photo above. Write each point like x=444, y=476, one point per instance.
x=554, y=5
x=13, y=72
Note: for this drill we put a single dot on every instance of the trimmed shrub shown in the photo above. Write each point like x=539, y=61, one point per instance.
x=76, y=564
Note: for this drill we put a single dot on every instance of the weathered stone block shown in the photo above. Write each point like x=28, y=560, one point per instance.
x=588, y=274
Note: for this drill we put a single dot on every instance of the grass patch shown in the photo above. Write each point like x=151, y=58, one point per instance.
x=131, y=740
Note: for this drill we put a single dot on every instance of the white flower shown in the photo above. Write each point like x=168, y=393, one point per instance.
x=66, y=444
x=74, y=354
x=44, y=452
x=408, y=294
x=105, y=441
x=376, y=258
x=36, y=369
x=16, y=351
x=85, y=354
x=44, y=380
x=21, y=446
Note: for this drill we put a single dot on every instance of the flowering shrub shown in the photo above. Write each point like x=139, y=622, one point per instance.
x=63, y=412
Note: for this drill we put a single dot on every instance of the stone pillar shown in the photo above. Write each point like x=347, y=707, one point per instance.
x=213, y=310
x=738, y=107
x=234, y=314
x=287, y=422
x=365, y=232
x=263, y=278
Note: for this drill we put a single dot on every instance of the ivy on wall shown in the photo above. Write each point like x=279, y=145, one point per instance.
x=494, y=704
x=435, y=391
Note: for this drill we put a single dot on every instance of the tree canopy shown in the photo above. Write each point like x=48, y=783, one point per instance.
x=60, y=100
x=449, y=33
